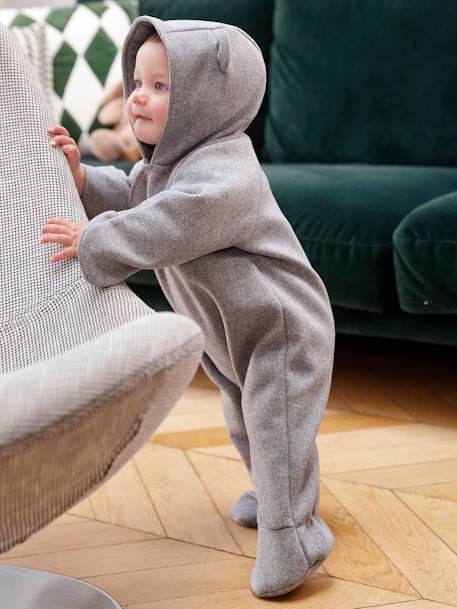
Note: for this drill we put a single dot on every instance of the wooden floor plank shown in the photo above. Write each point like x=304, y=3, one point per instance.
x=355, y=458
x=382, y=437
x=176, y=581
x=185, y=509
x=317, y=592
x=354, y=420
x=423, y=558
x=404, y=476
x=224, y=451
x=355, y=556
x=120, y=558
x=419, y=377
x=416, y=395
x=385, y=446
x=447, y=491
x=83, y=508
x=336, y=400
x=365, y=396
x=199, y=402
x=87, y=534
x=123, y=500
x=196, y=438
x=204, y=420
x=67, y=519
x=439, y=515
x=236, y=480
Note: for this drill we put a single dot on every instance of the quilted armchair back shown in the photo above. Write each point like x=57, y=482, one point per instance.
x=44, y=305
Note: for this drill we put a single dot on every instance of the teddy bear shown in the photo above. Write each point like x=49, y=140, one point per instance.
x=119, y=142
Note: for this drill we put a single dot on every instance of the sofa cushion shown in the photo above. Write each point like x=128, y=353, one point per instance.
x=425, y=257
x=253, y=16
x=345, y=216
x=361, y=81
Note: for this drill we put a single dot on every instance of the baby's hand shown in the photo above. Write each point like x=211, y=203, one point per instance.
x=65, y=232
x=72, y=153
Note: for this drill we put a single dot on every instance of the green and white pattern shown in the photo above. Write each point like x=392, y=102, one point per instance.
x=84, y=42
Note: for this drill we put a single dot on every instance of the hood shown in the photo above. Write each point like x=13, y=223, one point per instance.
x=217, y=82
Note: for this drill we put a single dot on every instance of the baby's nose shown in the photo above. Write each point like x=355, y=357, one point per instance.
x=139, y=99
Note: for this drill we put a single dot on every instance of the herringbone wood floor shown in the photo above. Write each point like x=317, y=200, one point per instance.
x=157, y=535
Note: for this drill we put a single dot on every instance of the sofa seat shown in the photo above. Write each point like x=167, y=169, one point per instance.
x=425, y=259
x=382, y=237
x=352, y=218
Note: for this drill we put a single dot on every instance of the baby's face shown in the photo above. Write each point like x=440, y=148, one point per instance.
x=147, y=105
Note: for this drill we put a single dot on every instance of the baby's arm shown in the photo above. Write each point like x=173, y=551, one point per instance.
x=107, y=188
x=100, y=188
x=210, y=205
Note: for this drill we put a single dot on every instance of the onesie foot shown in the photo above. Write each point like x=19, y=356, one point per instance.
x=244, y=510
x=286, y=557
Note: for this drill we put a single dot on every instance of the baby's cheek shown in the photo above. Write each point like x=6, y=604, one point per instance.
x=163, y=109
x=128, y=106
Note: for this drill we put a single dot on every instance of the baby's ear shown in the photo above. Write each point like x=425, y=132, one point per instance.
x=222, y=49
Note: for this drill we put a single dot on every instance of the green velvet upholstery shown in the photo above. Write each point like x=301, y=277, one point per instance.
x=425, y=257
x=370, y=81
x=345, y=216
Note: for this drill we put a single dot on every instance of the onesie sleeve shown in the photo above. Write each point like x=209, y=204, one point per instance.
x=209, y=205
x=107, y=187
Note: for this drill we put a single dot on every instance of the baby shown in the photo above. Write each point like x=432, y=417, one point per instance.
x=198, y=209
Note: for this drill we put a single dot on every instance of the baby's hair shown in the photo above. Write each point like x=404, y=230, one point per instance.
x=154, y=37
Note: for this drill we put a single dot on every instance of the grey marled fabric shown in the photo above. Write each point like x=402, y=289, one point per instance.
x=198, y=209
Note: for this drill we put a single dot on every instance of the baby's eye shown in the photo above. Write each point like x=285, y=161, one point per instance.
x=136, y=82
x=161, y=86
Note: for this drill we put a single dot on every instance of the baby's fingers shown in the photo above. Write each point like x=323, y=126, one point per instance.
x=61, y=140
x=59, y=221
x=58, y=129
x=66, y=252
x=71, y=150
x=55, y=229
x=60, y=239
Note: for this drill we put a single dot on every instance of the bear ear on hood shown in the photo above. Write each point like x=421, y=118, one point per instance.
x=222, y=49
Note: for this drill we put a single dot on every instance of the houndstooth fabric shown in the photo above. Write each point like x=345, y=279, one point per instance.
x=70, y=423
x=44, y=306
x=87, y=374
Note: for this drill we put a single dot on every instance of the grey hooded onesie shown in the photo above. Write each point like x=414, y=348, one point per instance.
x=198, y=209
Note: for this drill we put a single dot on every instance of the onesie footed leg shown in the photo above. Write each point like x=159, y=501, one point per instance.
x=284, y=396
x=273, y=418
x=244, y=510
x=286, y=557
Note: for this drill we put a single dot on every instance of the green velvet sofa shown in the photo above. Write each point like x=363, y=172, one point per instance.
x=357, y=135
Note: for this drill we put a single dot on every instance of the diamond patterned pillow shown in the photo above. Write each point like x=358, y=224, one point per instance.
x=85, y=45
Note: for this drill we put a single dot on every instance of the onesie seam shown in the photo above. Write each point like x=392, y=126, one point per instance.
x=197, y=29
x=195, y=150
x=287, y=410
x=215, y=38
x=256, y=221
x=294, y=525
